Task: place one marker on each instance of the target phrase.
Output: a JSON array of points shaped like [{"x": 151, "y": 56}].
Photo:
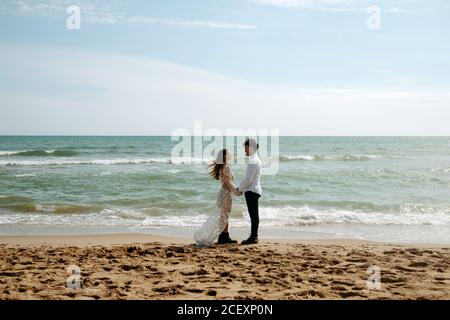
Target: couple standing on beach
[{"x": 216, "y": 226}]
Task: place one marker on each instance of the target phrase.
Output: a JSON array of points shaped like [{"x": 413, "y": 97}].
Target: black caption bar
[{"x": 199, "y": 309}]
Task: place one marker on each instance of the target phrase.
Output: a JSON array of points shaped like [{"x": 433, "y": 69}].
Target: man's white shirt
[{"x": 252, "y": 179}]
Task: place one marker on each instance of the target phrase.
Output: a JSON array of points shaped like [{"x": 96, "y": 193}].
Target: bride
[{"x": 216, "y": 226}]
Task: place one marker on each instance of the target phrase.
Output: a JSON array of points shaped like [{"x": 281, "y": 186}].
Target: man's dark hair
[{"x": 251, "y": 143}]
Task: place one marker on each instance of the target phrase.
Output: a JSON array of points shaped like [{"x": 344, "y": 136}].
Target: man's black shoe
[
  {"x": 224, "y": 238},
  {"x": 250, "y": 240}
]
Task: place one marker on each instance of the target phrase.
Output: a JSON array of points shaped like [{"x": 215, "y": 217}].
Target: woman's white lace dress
[{"x": 218, "y": 219}]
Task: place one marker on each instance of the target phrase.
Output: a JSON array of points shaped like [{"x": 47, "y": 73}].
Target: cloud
[
  {"x": 331, "y": 5},
  {"x": 312, "y": 4},
  {"x": 105, "y": 12},
  {"x": 187, "y": 23},
  {"x": 92, "y": 12},
  {"x": 63, "y": 91}
]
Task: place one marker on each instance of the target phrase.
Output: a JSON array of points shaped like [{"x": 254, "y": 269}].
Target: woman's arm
[{"x": 227, "y": 182}]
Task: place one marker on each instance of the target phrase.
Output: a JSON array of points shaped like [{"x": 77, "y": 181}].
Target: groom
[{"x": 251, "y": 187}]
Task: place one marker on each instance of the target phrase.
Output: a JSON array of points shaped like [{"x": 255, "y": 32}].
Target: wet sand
[{"x": 137, "y": 266}]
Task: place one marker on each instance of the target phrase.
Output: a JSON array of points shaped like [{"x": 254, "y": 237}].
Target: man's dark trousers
[{"x": 253, "y": 209}]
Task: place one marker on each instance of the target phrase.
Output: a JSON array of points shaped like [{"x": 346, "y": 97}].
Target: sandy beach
[{"x": 137, "y": 266}]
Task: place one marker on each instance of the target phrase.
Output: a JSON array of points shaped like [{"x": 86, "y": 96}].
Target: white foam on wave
[
  {"x": 66, "y": 162},
  {"x": 309, "y": 216},
  {"x": 45, "y": 208},
  {"x": 11, "y": 153},
  {"x": 439, "y": 170},
  {"x": 168, "y": 160},
  {"x": 269, "y": 217},
  {"x": 7, "y": 153},
  {"x": 319, "y": 157},
  {"x": 102, "y": 174},
  {"x": 47, "y": 216},
  {"x": 306, "y": 216}
]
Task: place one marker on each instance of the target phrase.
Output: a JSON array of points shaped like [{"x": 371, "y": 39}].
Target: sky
[{"x": 303, "y": 67}]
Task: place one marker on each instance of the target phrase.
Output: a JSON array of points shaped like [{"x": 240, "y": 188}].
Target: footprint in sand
[
  {"x": 194, "y": 290},
  {"x": 342, "y": 282},
  {"x": 393, "y": 279},
  {"x": 193, "y": 272},
  {"x": 418, "y": 264},
  {"x": 349, "y": 294},
  {"x": 357, "y": 260}
]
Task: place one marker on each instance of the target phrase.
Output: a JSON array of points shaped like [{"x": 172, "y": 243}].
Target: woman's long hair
[{"x": 216, "y": 166}]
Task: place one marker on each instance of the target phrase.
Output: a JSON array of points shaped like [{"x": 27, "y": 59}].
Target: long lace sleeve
[{"x": 227, "y": 181}]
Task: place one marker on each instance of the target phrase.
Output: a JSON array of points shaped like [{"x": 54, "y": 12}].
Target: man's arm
[{"x": 249, "y": 174}]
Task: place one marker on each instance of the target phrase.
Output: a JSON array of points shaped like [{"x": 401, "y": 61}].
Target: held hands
[{"x": 239, "y": 192}]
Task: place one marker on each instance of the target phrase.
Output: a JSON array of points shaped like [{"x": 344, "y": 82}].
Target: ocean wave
[
  {"x": 24, "y": 212},
  {"x": 65, "y": 162},
  {"x": 162, "y": 160},
  {"x": 29, "y": 207},
  {"x": 50, "y": 216},
  {"x": 347, "y": 157},
  {"x": 439, "y": 170},
  {"x": 25, "y": 175},
  {"x": 9, "y": 153},
  {"x": 304, "y": 216},
  {"x": 11, "y": 199},
  {"x": 39, "y": 153},
  {"x": 368, "y": 207}
]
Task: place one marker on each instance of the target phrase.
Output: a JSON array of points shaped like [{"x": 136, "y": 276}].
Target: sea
[{"x": 388, "y": 189}]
